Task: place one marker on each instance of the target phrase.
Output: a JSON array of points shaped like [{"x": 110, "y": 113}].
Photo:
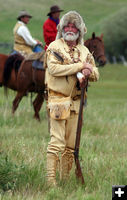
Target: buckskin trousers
[{"x": 63, "y": 134}]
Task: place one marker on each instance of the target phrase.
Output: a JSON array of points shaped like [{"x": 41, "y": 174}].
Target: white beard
[{"x": 70, "y": 36}]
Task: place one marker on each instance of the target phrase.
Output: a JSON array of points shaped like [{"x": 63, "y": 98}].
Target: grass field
[
  {"x": 23, "y": 143},
  {"x": 94, "y": 13}
]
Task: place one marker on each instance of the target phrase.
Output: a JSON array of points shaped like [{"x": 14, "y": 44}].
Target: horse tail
[
  {"x": 8, "y": 68},
  {"x": 5, "y": 91},
  {"x": 18, "y": 60},
  {"x": 31, "y": 98},
  {"x": 13, "y": 62}
]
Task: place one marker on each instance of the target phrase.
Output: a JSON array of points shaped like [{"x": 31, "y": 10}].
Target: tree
[{"x": 115, "y": 34}]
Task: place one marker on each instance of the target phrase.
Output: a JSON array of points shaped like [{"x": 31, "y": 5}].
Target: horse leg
[
  {"x": 16, "y": 101},
  {"x": 37, "y": 105}
]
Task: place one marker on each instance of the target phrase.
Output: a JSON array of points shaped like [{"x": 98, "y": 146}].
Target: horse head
[{"x": 96, "y": 46}]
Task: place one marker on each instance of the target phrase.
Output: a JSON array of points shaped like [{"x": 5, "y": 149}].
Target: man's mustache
[{"x": 69, "y": 33}]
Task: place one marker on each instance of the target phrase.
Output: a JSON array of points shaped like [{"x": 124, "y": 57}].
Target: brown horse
[
  {"x": 9, "y": 69},
  {"x": 32, "y": 80},
  {"x": 9, "y": 66},
  {"x": 96, "y": 46}
]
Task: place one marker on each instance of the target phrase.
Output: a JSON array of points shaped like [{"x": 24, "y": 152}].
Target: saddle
[{"x": 37, "y": 58}]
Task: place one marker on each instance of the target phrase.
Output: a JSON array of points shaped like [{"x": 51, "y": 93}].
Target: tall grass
[{"x": 23, "y": 143}]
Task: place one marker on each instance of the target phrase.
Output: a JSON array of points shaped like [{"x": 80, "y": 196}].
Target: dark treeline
[{"x": 115, "y": 36}]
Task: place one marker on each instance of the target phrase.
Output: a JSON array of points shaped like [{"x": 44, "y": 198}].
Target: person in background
[
  {"x": 23, "y": 41},
  {"x": 50, "y": 25},
  {"x": 65, "y": 58}
]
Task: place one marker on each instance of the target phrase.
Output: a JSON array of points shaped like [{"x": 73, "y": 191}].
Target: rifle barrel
[{"x": 78, "y": 170}]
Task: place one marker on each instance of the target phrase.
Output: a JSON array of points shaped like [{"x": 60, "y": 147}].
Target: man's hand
[
  {"x": 87, "y": 69},
  {"x": 81, "y": 79},
  {"x": 39, "y": 43},
  {"x": 84, "y": 75}
]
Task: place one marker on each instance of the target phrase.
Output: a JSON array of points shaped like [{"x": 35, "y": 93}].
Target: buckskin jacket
[
  {"x": 61, "y": 73},
  {"x": 19, "y": 42}
]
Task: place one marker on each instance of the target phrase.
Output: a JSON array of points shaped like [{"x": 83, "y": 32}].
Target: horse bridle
[{"x": 97, "y": 58}]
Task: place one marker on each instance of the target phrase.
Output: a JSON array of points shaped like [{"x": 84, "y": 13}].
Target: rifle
[{"x": 78, "y": 170}]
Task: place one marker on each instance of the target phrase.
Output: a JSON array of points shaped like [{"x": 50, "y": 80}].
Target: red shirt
[{"x": 49, "y": 31}]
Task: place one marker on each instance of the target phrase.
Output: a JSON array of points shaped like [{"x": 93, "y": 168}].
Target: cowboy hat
[
  {"x": 23, "y": 13},
  {"x": 54, "y": 9}
]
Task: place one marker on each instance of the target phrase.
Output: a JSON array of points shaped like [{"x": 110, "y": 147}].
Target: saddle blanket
[
  {"x": 36, "y": 56},
  {"x": 38, "y": 60},
  {"x": 36, "y": 64}
]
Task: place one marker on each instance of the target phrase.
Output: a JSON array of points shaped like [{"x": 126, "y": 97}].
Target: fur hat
[{"x": 75, "y": 18}]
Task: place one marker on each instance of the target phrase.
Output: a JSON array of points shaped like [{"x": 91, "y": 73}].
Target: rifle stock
[{"x": 78, "y": 170}]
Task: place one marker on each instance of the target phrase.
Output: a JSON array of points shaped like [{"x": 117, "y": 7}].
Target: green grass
[
  {"x": 23, "y": 143},
  {"x": 94, "y": 13}
]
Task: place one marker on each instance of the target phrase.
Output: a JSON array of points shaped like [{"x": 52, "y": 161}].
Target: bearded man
[{"x": 65, "y": 58}]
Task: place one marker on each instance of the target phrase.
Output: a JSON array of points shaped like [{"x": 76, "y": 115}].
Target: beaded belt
[{"x": 53, "y": 93}]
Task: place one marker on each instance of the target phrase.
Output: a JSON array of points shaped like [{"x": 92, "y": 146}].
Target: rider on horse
[{"x": 24, "y": 43}]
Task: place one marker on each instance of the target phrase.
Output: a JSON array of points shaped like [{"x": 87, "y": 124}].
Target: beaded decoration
[{"x": 72, "y": 51}]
